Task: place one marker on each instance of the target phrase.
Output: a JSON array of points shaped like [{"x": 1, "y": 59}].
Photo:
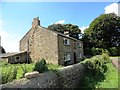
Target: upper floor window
[
  {"x": 74, "y": 44},
  {"x": 79, "y": 45},
  {"x": 66, "y": 41},
  {"x": 67, "y": 57}
]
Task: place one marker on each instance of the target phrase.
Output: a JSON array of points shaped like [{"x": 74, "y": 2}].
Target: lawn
[
  {"x": 107, "y": 80},
  {"x": 111, "y": 78}
]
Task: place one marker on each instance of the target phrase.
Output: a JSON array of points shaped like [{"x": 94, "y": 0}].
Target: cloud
[
  {"x": 8, "y": 41},
  {"x": 112, "y": 8},
  {"x": 83, "y": 28},
  {"x": 3, "y": 33},
  {"x": 60, "y": 22}
]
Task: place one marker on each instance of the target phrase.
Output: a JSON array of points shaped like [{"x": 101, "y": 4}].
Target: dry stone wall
[{"x": 67, "y": 77}]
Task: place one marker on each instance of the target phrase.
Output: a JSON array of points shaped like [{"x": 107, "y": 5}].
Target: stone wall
[
  {"x": 41, "y": 43},
  {"x": 67, "y": 77},
  {"x": 45, "y": 45}
]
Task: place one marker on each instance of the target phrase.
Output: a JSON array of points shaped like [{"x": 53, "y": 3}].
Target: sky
[{"x": 16, "y": 17}]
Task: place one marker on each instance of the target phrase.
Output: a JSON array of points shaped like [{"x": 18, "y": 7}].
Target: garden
[
  {"x": 12, "y": 72},
  {"x": 100, "y": 72}
]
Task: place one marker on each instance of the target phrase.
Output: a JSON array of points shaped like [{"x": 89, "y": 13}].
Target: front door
[{"x": 75, "y": 58}]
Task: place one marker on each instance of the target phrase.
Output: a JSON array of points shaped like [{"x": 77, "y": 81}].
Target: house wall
[
  {"x": 23, "y": 44},
  {"x": 62, "y": 49},
  {"x": 41, "y": 43}
]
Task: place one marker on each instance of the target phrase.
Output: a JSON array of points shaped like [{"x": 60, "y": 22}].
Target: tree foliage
[
  {"x": 73, "y": 29},
  {"x": 104, "y": 31},
  {"x": 2, "y": 49}
]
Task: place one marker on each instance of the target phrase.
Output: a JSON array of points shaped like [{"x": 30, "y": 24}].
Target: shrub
[
  {"x": 99, "y": 51},
  {"x": 9, "y": 76},
  {"x": 97, "y": 64},
  {"x": 40, "y": 66},
  {"x": 24, "y": 70},
  {"x": 114, "y": 51}
]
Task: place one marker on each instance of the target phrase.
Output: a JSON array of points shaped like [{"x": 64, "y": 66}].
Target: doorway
[{"x": 75, "y": 58}]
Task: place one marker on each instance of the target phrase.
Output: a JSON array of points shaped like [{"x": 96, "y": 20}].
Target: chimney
[
  {"x": 66, "y": 32},
  {"x": 35, "y": 22}
]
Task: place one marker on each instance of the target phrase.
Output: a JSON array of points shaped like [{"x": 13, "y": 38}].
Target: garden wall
[{"x": 67, "y": 77}]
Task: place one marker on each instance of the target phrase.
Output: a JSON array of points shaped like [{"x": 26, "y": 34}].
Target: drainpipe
[{"x": 27, "y": 50}]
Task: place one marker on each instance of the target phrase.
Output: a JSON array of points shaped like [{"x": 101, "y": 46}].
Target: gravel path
[{"x": 115, "y": 61}]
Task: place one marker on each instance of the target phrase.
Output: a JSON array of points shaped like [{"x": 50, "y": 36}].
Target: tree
[
  {"x": 104, "y": 31},
  {"x": 2, "y": 49},
  {"x": 74, "y": 30}
]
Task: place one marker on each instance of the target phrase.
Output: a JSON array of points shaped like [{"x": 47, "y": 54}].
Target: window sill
[{"x": 66, "y": 60}]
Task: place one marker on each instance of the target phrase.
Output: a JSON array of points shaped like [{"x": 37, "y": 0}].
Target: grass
[
  {"x": 22, "y": 68},
  {"x": 111, "y": 78}
]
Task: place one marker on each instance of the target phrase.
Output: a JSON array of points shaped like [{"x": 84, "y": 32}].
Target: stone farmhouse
[{"x": 56, "y": 48}]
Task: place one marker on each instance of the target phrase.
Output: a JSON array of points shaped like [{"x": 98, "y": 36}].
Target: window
[
  {"x": 17, "y": 58},
  {"x": 79, "y": 45},
  {"x": 67, "y": 57},
  {"x": 66, "y": 41},
  {"x": 74, "y": 44},
  {"x": 80, "y": 55}
]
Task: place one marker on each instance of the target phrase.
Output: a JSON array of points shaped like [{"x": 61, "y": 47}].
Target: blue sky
[{"x": 16, "y": 18}]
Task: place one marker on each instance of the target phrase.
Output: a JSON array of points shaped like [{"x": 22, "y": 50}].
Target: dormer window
[{"x": 66, "y": 41}]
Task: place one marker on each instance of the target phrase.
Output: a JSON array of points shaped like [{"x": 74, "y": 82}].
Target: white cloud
[
  {"x": 8, "y": 41},
  {"x": 83, "y": 28},
  {"x": 112, "y": 8},
  {"x": 60, "y": 22},
  {"x": 3, "y": 33}
]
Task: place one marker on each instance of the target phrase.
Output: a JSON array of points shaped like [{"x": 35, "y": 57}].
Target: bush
[
  {"x": 95, "y": 70},
  {"x": 97, "y": 64},
  {"x": 40, "y": 66},
  {"x": 24, "y": 70},
  {"x": 114, "y": 51},
  {"x": 99, "y": 51},
  {"x": 9, "y": 76}
]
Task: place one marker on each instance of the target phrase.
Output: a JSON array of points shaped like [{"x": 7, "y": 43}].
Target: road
[{"x": 115, "y": 61}]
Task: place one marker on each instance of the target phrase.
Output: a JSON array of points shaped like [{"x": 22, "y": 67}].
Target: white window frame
[
  {"x": 16, "y": 60},
  {"x": 80, "y": 55},
  {"x": 67, "y": 56},
  {"x": 68, "y": 41},
  {"x": 79, "y": 45}
]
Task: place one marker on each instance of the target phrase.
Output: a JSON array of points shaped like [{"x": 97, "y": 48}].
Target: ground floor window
[
  {"x": 67, "y": 57},
  {"x": 80, "y": 55},
  {"x": 17, "y": 58}
]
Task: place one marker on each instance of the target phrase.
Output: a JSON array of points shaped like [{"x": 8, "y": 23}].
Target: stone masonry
[
  {"x": 40, "y": 43},
  {"x": 66, "y": 77}
]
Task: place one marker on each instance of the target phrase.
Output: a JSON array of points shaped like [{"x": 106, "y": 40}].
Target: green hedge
[
  {"x": 96, "y": 69},
  {"x": 96, "y": 64},
  {"x": 99, "y": 51},
  {"x": 114, "y": 51}
]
